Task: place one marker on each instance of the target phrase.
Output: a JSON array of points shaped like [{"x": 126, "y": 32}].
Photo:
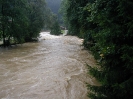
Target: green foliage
[
  {"x": 21, "y": 19},
  {"x": 12, "y": 19},
  {"x": 73, "y": 14},
  {"x": 112, "y": 36},
  {"x": 107, "y": 28},
  {"x": 54, "y": 5},
  {"x": 36, "y": 15},
  {"x": 55, "y": 28}
]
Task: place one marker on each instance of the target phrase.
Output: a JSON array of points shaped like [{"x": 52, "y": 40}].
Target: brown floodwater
[{"x": 53, "y": 68}]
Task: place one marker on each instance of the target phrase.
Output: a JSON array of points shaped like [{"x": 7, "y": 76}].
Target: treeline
[
  {"x": 54, "y": 5},
  {"x": 22, "y": 20},
  {"x": 107, "y": 29}
]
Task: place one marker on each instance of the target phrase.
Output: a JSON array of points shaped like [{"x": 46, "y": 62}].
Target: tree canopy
[
  {"x": 54, "y": 5},
  {"x": 22, "y": 20},
  {"x": 106, "y": 26},
  {"x": 55, "y": 28}
]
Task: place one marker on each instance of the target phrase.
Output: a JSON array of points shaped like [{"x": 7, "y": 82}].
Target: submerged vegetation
[{"x": 107, "y": 29}]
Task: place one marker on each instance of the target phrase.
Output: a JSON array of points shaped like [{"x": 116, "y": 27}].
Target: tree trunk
[{"x": 3, "y": 36}]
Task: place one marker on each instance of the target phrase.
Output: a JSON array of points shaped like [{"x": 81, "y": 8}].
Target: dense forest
[
  {"x": 107, "y": 29},
  {"x": 54, "y": 5},
  {"x": 22, "y": 20}
]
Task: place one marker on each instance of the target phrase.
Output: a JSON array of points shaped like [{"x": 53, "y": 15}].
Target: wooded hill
[{"x": 54, "y": 5}]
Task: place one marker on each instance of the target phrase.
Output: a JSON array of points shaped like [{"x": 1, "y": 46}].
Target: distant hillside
[{"x": 54, "y": 5}]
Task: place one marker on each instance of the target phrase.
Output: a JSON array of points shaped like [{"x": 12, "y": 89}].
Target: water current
[{"x": 53, "y": 68}]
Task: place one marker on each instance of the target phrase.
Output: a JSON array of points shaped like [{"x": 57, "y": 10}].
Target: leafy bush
[{"x": 55, "y": 27}]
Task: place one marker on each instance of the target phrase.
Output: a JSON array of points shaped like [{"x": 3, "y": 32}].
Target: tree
[
  {"x": 55, "y": 28},
  {"x": 12, "y": 19},
  {"x": 36, "y": 16},
  {"x": 21, "y": 20},
  {"x": 113, "y": 47},
  {"x": 74, "y": 15},
  {"x": 54, "y": 5}
]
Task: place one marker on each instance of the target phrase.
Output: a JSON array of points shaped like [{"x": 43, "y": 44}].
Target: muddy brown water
[{"x": 53, "y": 68}]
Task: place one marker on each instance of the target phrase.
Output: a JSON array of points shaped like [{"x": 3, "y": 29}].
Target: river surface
[{"x": 53, "y": 68}]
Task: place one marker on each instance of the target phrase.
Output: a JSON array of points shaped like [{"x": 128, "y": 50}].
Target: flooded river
[{"x": 53, "y": 68}]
